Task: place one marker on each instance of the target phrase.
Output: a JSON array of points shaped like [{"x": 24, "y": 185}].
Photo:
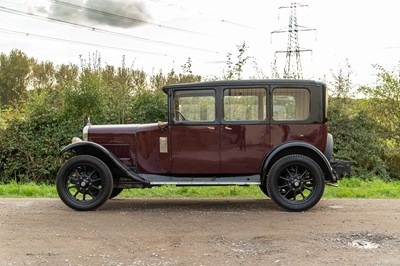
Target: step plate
[{"x": 158, "y": 180}]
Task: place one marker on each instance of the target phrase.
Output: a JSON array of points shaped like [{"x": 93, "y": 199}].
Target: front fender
[
  {"x": 300, "y": 148},
  {"x": 94, "y": 149}
]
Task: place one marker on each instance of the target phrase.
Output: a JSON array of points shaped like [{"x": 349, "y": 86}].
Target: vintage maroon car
[{"x": 271, "y": 133}]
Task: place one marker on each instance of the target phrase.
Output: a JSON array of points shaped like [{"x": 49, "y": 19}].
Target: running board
[{"x": 159, "y": 180}]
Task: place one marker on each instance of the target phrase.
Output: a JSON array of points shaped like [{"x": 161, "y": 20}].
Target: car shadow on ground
[{"x": 119, "y": 204}]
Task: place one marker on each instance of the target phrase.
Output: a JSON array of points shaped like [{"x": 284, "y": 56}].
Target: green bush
[
  {"x": 355, "y": 140},
  {"x": 32, "y": 140}
]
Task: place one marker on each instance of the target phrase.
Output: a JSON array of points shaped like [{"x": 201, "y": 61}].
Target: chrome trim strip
[
  {"x": 85, "y": 132},
  {"x": 158, "y": 180},
  {"x": 201, "y": 183}
]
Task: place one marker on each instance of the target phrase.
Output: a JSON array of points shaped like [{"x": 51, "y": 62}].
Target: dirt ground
[{"x": 199, "y": 232}]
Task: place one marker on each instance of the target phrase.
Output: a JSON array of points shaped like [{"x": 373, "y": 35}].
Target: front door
[{"x": 194, "y": 133}]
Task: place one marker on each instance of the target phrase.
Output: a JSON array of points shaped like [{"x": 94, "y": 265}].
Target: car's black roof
[{"x": 232, "y": 83}]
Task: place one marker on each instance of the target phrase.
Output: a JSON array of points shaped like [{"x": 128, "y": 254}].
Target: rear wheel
[
  {"x": 295, "y": 182},
  {"x": 84, "y": 183}
]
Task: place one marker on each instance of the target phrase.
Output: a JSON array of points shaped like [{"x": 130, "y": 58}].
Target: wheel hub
[
  {"x": 83, "y": 183},
  {"x": 296, "y": 183}
]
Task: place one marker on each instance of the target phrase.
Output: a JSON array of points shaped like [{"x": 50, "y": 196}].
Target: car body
[{"x": 271, "y": 133}]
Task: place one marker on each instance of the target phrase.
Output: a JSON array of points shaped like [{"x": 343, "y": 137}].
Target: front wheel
[
  {"x": 295, "y": 182},
  {"x": 84, "y": 183}
]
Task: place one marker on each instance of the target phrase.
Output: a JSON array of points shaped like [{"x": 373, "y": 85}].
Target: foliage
[
  {"x": 353, "y": 129},
  {"x": 31, "y": 142},
  {"x": 384, "y": 105},
  {"x": 149, "y": 106},
  {"x": 235, "y": 68},
  {"x": 43, "y": 106},
  {"x": 15, "y": 69}
]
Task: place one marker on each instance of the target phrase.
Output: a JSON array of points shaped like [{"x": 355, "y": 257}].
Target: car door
[
  {"x": 194, "y": 132},
  {"x": 245, "y": 132}
]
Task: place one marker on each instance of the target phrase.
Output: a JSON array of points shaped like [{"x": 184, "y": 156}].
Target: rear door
[{"x": 245, "y": 132}]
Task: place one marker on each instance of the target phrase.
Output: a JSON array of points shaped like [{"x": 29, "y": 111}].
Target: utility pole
[{"x": 293, "y": 68}]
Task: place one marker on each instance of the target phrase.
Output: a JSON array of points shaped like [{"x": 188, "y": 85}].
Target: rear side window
[
  {"x": 291, "y": 104},
  {"x": 247, "y": 104},
  {"x": 194, "y": 106}
]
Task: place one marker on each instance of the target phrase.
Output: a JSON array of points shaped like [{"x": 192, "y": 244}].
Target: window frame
[
  {"x": 246, "y": 122},
  {"x": 171, "y": 107},
  {"x": 310, "y": 117}
]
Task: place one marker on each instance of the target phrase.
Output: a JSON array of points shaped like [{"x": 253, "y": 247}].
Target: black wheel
[
  {"x": 329, "y": 147},
  {"x": 115, "y": 192},
  {"x": 84, "y": 183},
  {"x": 295, "y": 182}
]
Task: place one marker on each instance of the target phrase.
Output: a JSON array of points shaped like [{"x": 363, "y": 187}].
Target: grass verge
[{"x": 348, "y": 188}]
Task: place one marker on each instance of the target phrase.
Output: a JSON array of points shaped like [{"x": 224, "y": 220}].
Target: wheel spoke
[
  {"x": 287, "y": 170},
  {"x": 91, "y": 186},
  {"x": 76, "y": 194},
  {"x": 90, "y": 175},
  {"x": 287, "y": 193},
  {"x": 70, "y": 187},
  {"x": 96, "y": 180},
  {"x": 76, "y": 170},
  {"x": 308, "y": 179},
  {"x": 301, "y": 193},
  {"x": 310, "y": 186},
  {"x": 286, "y": 185},
  {"x": 90, "y": 193},
  {"x": 303, "y": 174}
]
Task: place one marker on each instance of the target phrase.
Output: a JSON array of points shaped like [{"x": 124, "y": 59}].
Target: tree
[
  {"x": 235, "y": 68},
  {"x": 353, "y": 129},
  {"x": 15, "y": 69},
  {"x": 384, "y": 105},
  {"x": 43, "y": 76}
]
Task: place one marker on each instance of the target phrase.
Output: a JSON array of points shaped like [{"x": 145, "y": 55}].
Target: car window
[
  {"x": 194, "y": 106},
  {"x": 248, "y": 104},
  {"x": 291, "y": 104}
]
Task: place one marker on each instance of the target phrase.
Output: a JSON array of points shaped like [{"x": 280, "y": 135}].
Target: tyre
[
  {"x": 115, "y": 192},
  {"x": 329, "y": 147},
  {"x": 84, "y": 183},
  {"x": 295, "y": 182}
]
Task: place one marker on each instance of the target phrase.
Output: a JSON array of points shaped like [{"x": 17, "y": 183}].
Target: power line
[
  {"x": 203, "y": 14},
  {"x": 27, "y": 34},
  {"x": 78, "y": 42},
  {"x": 55, "y": 20},
  {"x": 116, "y": 16}
]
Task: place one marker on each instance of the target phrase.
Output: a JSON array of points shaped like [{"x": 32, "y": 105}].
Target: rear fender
[
  {"x": 94, "y": 149},
  {"x": 298, "y": 147}
]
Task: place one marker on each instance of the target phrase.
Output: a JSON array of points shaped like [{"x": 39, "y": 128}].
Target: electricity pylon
[{"x": 293, "y": 68}]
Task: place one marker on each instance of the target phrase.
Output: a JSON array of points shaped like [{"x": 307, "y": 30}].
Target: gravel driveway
[{"x": 199, "y": 232}]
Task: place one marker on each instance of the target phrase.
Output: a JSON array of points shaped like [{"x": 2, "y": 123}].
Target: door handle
[
  {"x": 228, "y": 128},
  {"x": 211, "y": 128}
]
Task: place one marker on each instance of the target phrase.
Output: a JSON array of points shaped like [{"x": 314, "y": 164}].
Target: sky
[{"x": 156, "y": 35}]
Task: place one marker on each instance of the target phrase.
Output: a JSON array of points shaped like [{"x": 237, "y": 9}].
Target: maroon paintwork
[{"x": 216, "y": 149}]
